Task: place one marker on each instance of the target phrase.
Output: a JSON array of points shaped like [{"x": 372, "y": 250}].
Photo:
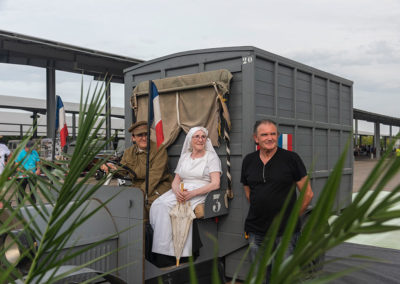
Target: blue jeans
[{"x": 256, "y": 240}]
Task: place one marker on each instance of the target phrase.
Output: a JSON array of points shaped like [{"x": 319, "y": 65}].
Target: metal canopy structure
[
  {"x": 27, "y": 50},
  {"x": 17, "y": 121},
  {"x": 39, "y": 106},
  {"x": 377, "y": 119}
]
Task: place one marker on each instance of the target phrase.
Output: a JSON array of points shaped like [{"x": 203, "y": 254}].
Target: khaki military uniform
[{"x": 160, "y": 179}]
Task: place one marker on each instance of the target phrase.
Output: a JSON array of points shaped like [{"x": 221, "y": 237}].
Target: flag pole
[
  {"x": 53, "y": 150},
  {"x": 149, "y": 122}
]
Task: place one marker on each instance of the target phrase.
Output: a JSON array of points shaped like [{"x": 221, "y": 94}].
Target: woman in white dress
[{"x": 199, "y": 168}]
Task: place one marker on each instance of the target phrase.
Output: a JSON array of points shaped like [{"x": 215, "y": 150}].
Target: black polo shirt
[{"x": 270, "y": 185}]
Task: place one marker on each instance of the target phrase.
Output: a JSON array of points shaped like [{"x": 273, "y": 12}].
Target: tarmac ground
[{"x": 362, "y": 169}]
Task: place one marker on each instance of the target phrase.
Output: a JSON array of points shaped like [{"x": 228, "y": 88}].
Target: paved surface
[
  {"x": 382, "y": 240},
  {"x": 363, "y": 168},
  {"x": 382, "y": 250}
]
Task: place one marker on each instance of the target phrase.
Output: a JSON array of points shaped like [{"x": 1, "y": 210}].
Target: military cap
[{"x": 138, "y": 127}]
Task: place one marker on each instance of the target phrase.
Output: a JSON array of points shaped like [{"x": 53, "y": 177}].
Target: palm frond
[{"x": 65, "y": 191}]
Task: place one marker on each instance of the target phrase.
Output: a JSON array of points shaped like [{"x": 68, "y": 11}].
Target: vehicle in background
[
  {"x": 44, "y": 146},
  {"x": 13, "y": 144}
]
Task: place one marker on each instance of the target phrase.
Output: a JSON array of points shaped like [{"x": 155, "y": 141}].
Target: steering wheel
[
  {"x": 132, "y": 175},
  {"x": 125, "y": 173}
]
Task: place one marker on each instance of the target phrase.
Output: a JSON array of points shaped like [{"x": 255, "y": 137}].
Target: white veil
[{"x": 188, "y": 141}]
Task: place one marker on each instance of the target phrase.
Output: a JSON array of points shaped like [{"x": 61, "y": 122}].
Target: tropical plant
[{"x": 41, "y": 248}]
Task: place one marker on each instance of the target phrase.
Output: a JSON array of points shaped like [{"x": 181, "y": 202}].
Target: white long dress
[{"x": 194, "y": 173}]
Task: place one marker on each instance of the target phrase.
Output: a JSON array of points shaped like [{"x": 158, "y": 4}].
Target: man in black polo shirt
[{"x": 268, "y": 175}]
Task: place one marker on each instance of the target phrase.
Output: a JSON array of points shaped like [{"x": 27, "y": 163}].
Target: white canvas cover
[{"x": 187, "y": 101}]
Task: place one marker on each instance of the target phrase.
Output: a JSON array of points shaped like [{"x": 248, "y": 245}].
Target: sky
[{"x": 355, "y": 39}]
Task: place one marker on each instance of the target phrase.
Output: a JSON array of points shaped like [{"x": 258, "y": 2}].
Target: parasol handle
[{"x": 182, "y": 187}]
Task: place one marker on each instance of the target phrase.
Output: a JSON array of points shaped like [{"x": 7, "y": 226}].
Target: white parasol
[{"x": 182, "y": 217}]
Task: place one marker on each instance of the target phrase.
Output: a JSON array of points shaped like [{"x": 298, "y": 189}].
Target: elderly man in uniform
[{"x": 135, "y": 158}]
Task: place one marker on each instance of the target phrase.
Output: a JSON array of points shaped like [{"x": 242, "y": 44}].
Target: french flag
[
  {"x": 155, "y": 114},
  {"x": 285, "y": 141},
  {"x": 61, "y": 123}
]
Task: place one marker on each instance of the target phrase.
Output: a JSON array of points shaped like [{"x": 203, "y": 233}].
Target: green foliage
[
  {"x": 367, "y": 140},
  {"x": 192, "y": 271},
  {"x": 65, "y": 190}
]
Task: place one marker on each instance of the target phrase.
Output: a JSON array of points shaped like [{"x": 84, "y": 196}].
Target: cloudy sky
[{"x": 355, "y": 39}]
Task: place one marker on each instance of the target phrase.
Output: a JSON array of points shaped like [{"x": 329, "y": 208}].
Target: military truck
[
  {"x": 225, "y": 90},
  {"x": 311, "y": 107}
]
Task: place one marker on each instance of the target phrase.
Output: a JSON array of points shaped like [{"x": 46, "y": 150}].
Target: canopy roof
[
  {"x": 375, "y": 117},
  {"x": 39, "y": 106},
  {"x": 27, "y": 50}
]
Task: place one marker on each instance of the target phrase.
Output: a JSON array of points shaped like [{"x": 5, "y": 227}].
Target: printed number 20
[{"x": 247, "y": 59}]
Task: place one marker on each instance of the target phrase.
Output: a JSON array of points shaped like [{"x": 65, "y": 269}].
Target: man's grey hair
[{"x": 263, "y": 121}]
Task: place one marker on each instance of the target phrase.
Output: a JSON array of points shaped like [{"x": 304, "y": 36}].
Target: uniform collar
[{"x": 138, "y": 151}]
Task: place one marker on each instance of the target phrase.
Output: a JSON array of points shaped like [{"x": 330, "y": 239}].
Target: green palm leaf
[{"x": 66, "y": 191}]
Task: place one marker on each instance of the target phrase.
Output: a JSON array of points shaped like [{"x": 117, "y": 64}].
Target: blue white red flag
[
  {"x": 155, "y": 114},
  {"x": 285, "y": 141},
  {"x": 61, "y": 123}
]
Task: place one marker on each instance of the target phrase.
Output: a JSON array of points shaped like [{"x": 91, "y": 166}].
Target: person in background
[
  {"x": 28, "y": 160},
  {"x": 268, "y": 175},
  {"x": 4, "y": 153}
]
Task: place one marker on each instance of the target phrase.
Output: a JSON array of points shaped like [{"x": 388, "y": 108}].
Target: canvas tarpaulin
[{"x": 187, "y": 101}]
